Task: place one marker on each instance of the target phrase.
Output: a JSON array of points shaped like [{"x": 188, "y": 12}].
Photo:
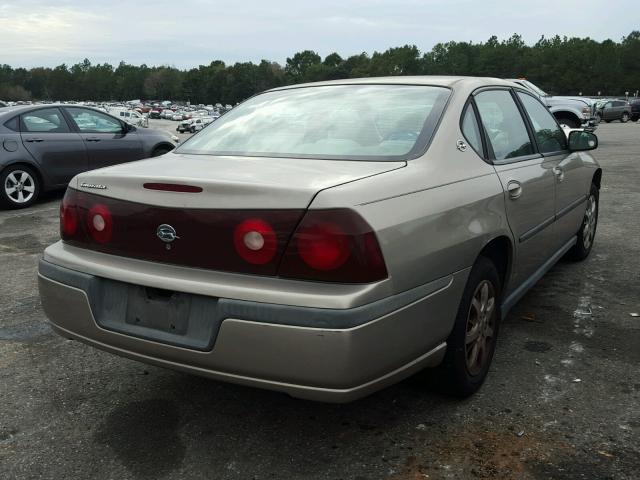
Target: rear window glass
[
  {"x": 48, "y": 120},
  {"x": 353, "y": 122}
]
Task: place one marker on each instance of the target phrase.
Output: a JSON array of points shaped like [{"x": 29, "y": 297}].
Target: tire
[
  {"x": 458, "y": 373},
  {"x": 193, "y": 130},
  {"x": 160, "y": 151},
  {"x": 569, "y": 122},
  {"x": 625, "y": 117},
  {"x": 607, "y": 121},
  {"x": 634, "y": 119},
  {"x": 587, "y": 232},
  {"x": 19, "y": 186}
]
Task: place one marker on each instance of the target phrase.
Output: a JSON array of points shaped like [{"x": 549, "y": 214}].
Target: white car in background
[
  {"x": 199, "y": 123},
  {"x": 167, "y": 114},
  {"x": 132, "y": 117},
  {"x": 184, "y": 126}
]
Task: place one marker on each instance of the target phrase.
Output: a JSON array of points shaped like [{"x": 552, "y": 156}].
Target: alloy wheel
[
  {"x": 481, "y": 326},
  {"x": 19, "y": 186}
]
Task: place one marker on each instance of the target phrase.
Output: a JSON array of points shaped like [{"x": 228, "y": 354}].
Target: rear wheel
[
  {"x": 587, "y": 232},
  {"x": 472, "y": 342},
  {"x": 625, "y": 117},
  {"x": 20, "y": 186}
]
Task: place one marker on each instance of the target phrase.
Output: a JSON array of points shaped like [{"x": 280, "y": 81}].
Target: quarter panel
[{"x": 435, "y": 232}]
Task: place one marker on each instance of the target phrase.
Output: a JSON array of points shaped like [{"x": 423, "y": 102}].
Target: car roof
[
  {"x": 430, "y": 80},
  {"x": 19, "y": 109}
]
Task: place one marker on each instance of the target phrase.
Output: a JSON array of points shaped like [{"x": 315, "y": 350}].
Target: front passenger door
[
  {"x": 527, "y": 180},
  {"x": 107, "y": 139},
  {"x": 571, "y": 178}
]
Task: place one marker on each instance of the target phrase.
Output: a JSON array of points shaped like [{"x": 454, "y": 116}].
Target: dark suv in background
[
  {"x": 42, "y": 147},
  {"x": 614, "y": 110}
]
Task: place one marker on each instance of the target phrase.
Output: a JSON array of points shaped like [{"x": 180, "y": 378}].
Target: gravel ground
[{"x": 562, "y": 400}]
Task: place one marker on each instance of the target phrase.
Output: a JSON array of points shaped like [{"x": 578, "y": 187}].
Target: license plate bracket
[{"x": 158, "y": 309}]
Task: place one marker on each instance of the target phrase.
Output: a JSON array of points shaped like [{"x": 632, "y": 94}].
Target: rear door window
[
  {"x": 504, "y": 125},
  {"x": 549, "y": 135},
  {"x": 46, "y": 120}
]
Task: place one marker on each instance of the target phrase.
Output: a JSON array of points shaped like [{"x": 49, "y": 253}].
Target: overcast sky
[{"x": 193, "y": 32}]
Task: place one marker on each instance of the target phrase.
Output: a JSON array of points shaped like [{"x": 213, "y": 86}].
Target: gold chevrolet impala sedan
[{"x": 327, "y": 240}]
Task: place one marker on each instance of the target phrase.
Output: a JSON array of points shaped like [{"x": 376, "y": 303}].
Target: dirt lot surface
[{"x": 562, "y": 400}]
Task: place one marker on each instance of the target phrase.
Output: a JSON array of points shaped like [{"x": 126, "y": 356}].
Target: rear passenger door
[
  {"x": 59, "y": 151},
  {"x": 527, "y": 179},
  {"x": 107, "y": 139}
]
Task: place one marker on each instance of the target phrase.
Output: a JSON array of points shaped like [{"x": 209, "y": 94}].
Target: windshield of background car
[{"x": 346, "y": 122}]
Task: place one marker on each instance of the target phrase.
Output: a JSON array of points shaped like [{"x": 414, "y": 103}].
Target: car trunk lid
[{"x": 229, "y": 182}]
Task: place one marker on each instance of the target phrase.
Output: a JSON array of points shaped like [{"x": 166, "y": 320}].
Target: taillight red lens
[
  {"x": 68, "y": 219},
  {"x": 255, "y": 241},
  {"x": 323, "y": 246},
  {"x": 100, "y": 223},
  {"x": 335, "y": 245}
]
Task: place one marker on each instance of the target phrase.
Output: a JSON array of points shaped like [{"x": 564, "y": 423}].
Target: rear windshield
[{"x": 346, "y": 122}]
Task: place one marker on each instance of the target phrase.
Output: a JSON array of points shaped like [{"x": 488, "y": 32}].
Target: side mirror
[{"x": 580, "y": 141}]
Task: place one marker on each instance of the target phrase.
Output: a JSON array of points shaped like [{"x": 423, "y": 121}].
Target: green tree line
[{"x": 560, "y": 65}]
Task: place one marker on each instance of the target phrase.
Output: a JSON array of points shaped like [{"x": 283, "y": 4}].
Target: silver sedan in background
[{"x": 327, "y": 240}]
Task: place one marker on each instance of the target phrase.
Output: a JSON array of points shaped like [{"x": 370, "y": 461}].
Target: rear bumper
[{"x": 334, "y": 355}]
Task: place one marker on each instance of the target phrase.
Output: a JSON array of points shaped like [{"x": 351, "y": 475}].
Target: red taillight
[
  {"x": 255, "y": 241},
  {"x": 99, "y": 223},
  {"x": 323, "y": 246},
  {"x": 334, "y": 246},
  {"x": 68, "y": 218}
]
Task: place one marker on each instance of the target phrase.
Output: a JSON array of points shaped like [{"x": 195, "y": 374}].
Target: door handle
[
  {"x": 92, "y": 139},
  {"x": 515, "y": 189},
  {"x": 31, "y": 140},
  {"x": 559, "y": 173}
]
